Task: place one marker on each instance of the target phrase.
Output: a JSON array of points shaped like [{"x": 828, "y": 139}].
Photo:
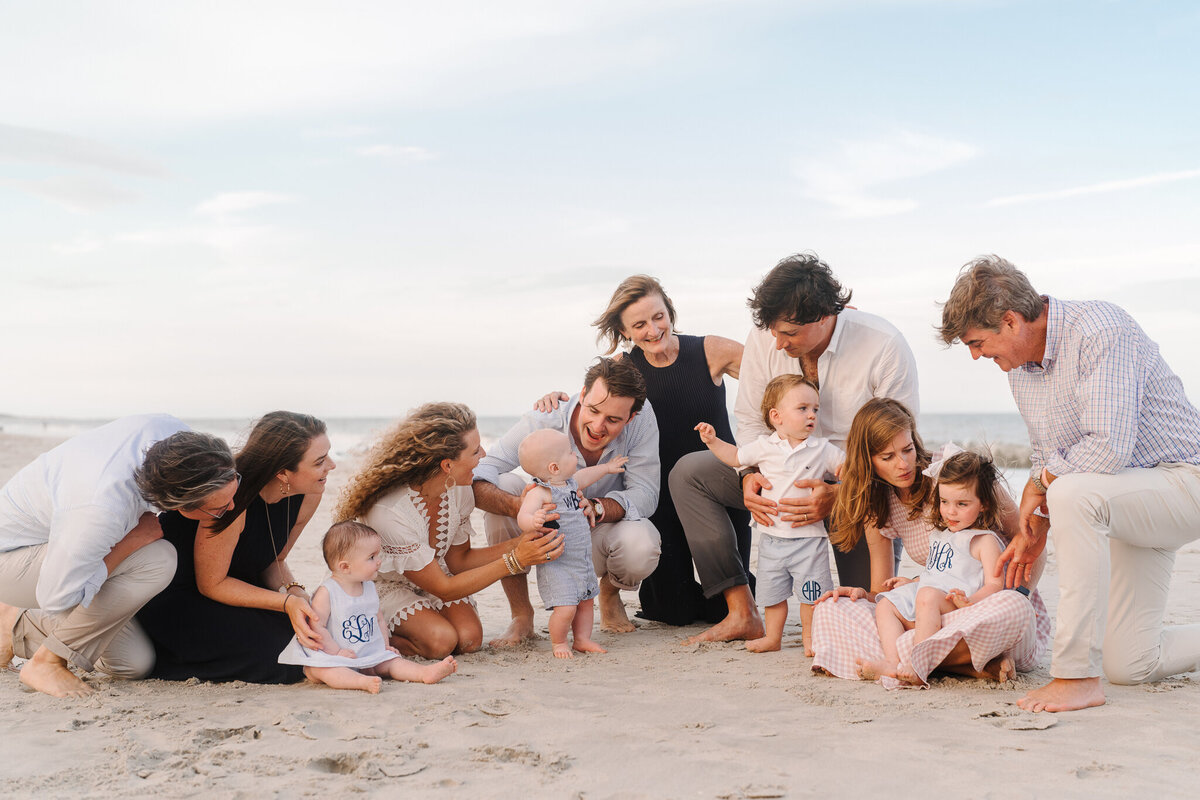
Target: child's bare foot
[
  {"x": 48, "y": 673},
  {"x": 519, "y": 630},
  {"x": 873, "y": 670},
  {"x": 587, "y": 646},
  {"x": 8, "y": 618},
  {"x": 1001, "y": 668},
  {"x": 808, "y": 650},
  {"x": 371, "y": 683},
  {"x": 435, "y": 672},
  {"x": 562, "y": 650},
  {"x": 906, "y": 674},
  {"x": 613, "y": 617},
  {"x": 764, "y": 644}
]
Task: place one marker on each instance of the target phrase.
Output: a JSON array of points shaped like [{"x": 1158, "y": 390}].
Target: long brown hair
[
  {"x": 408, "y": 454},
  {"x": 863, "y": 497},
  {"x": 277, "y": 441}
]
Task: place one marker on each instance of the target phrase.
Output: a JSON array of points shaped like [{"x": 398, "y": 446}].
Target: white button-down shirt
[
  {"x": 80, "y": 499},
  {"x": 1102, "y": 399},
  {"x": 867, "y": 357}
]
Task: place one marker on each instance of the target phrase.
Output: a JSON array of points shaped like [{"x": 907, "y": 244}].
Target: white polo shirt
[{"x": 783, "y": 465}]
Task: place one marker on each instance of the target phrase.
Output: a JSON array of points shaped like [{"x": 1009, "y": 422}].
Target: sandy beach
[{"x": 649, "y": 719}]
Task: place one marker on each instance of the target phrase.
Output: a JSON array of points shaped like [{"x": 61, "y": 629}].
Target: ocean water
[{"x": 1005, "y": 434}]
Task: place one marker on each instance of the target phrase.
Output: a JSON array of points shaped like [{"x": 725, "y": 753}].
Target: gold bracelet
[
  {"x": 510, "y": 563},
  {"x": 287, "y": 587},
  {"x": 520, "y": 567}
]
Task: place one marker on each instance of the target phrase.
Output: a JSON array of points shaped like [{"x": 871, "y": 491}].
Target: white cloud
[
  {"x": 230, "y": 203},
  {"x": 73, "y": 192},
  {"x": 346, "y": 131},
  {"x": 393, "y": 152},
  {"x": 1098, "y": 188},
  {"x": 147, "y": 63},
  {"x": 49, "y": 147},
  {"x": 846, "y": 178}
]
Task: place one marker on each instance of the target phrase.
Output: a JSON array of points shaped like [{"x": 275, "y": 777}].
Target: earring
[{"x": 285, "y": 487}]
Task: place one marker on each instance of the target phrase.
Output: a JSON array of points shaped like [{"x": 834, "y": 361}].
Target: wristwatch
[
  {"x": 1035, "y": 478},
  {"x": 598, "y": 509}
]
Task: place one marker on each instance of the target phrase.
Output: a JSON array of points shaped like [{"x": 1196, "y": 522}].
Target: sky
[{"x": 220, "y": 208}]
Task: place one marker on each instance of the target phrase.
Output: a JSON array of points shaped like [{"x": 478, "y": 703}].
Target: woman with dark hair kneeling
[{"x": 234, "y": 603}]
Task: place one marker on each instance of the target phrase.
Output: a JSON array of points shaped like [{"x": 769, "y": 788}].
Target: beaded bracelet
[{"x": 287, "y": 587}]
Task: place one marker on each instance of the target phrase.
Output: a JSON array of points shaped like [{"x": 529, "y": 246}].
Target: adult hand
[
  {"x": 537, "y": 547},
  {"x": 759, "y": 507},
  {"x": 853, "y": 592},
  {"x": 1016, "y": 563},
  {"x": 304, "y": 621},
  {"x": 807, "y": 510},
  {"x": 549, "y": 402}
]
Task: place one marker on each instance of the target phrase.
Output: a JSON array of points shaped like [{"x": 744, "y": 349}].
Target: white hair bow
[{"x": 935, "y": 466}]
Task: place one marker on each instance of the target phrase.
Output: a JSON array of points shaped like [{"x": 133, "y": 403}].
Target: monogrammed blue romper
[{"x": 571, "y": 578}]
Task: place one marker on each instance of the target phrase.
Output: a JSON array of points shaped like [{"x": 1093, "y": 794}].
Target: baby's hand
[
  {"x": 617, "y": 464},
  {"x": 707, "y": 432},
  {"x": 344, "y": 653},
  {"x": 892, "y": 583},
  {"x": 391, "y": 649},
  {"x": 958, "y": 598},
  {"x": 539, "y": 518}
]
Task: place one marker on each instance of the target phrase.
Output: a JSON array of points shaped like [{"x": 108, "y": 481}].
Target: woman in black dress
[
  {"x": 234, "y": 603},
  {"x": 685, "y": 385}
]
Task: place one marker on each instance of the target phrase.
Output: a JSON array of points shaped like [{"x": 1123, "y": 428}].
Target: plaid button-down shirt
[{"x": 1103, "y": 399}]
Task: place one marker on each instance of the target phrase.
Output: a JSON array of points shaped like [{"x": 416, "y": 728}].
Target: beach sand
[{"x": 650, "y": 719}]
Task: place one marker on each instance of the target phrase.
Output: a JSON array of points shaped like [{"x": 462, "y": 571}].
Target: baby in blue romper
[{"x": 568, "y": 584}]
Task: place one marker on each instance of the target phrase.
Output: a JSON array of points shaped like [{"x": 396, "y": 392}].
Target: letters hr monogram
[
  {"x": 941, "y": 556},
  {"x": 359, "y": 628}
]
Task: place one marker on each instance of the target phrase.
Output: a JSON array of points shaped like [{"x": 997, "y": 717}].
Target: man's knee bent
[{"x": 1074, "y": 494}]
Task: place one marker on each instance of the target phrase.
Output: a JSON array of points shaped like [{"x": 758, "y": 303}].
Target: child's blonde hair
[
  {"x": 340, "y": 540},
  {"x": 978, "y": 472},
  {"x": 777, "y": 388}
]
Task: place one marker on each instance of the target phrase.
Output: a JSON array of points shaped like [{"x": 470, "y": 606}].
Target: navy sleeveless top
[{"x": 683, "y": 395}]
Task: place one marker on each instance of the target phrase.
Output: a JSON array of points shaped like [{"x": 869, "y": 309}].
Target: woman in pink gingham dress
[{"x": 885, "y": 496}]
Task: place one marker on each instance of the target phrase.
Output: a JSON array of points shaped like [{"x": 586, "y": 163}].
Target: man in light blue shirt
[
  {"x": 1116, "y": 475},
  {"x": 607, "y": 419}
]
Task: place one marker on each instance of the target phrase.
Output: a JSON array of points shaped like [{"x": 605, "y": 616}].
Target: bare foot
[
  {"x": 1001, "y": 669},
  {"x": 435, "y": 672},
  {"x": 48, "y": 673},
  {"x": 1064, "y": 694},
  {"x": 874, "y": 670},
  {"x": 519, "y": 630},
  {"x": 8, "y": 618},
  {"x": 808, "y": 651},
  {"x": 562, "y": 650},
  {"x": 612, "y": 611},
  {"x": 371, "y": 683},
  {"x": 748, "y": 626},
  {"x": 764, "y": 644},
  {"x": 587, "y": 646},
  {"x": 906, "y": 674}
]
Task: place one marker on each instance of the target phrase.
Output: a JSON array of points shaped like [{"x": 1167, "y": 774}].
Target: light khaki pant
[
  {"x": 103, "y": 636},
  {"x": 624, "y": 552},
  {"x": 1115, "y": 538}
]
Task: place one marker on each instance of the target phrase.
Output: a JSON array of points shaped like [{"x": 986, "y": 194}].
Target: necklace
[{"x": 270, "y": 531}]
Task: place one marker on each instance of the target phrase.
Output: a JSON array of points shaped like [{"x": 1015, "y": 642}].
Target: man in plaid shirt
[{"x": 1116, "y": 473}]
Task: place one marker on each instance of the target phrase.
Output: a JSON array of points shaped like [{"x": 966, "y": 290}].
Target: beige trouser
[
  {"x": 104, "y": 636},
  {"x": 1135, "y": 519},
  {"x": 624, "y": 552}
]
